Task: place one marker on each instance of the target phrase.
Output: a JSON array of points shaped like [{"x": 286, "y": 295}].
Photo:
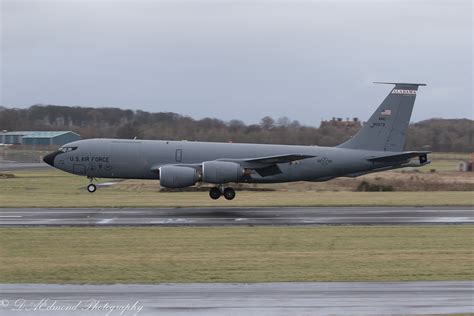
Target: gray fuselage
[
  {"x": 140, "y": 159},
  {"x": 378, "y": 146}
]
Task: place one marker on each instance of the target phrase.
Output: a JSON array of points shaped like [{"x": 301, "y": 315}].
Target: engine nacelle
[
  {"x": 178, "y": 176},
  {"x": 221, "y": 172}
]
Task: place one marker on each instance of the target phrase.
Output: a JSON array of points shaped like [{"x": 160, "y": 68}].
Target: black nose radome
[{"x": 49, "y": 158}]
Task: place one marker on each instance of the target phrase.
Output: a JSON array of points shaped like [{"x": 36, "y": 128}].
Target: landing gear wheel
[
  {"x": 91, "y": 188},
  {"x": 215, "y": 193},
  {"x": 229, "y": 193}
]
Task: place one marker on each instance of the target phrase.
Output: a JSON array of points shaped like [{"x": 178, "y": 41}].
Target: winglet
[{"x": 401, "y": 83}]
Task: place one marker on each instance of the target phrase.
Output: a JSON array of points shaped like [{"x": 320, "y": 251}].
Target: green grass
[
  {"x": 440, "y": 165},
  {"x": 450, "y": 156},
  {"x": 53, "y": 188},
  {"x": 236, "y": 254},
  {"x": 444, "y": 161}
]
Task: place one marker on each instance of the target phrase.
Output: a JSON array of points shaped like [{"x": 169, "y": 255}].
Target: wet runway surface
[
  {"x": 315, "y": 298},
  {"x": 235, "y": 216}
]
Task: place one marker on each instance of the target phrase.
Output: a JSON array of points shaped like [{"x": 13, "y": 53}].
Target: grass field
[
  {"x": 54, "y": 188},
  {"x": 235, "y": 254}
]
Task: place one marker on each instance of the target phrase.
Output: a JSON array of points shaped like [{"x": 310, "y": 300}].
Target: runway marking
[
  {"x": 234, "y": 216},
  {"x": 230, "y": 209},
  {"x": 317, "y": 219},
  {"x": 172, "y": 221},
  {"x": 105, "y": 221},
  {"x": 452, "y": 219}
]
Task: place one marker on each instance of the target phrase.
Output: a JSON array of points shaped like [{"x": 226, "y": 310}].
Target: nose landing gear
[
  {"x": 91, "y": 188},
  {"x": 216, "y": 192}
]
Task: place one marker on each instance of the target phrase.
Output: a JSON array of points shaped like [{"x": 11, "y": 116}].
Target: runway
[
  {"x": 315, "y": 298},
  {"x": 235, "y": 216},
  {"x": 12, "y": 165}
]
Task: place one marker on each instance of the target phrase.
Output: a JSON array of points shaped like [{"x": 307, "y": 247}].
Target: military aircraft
[{"x": 378, "y": 146}]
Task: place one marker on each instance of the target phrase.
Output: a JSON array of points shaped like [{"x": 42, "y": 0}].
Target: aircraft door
[{"x": 179, "y": 155}]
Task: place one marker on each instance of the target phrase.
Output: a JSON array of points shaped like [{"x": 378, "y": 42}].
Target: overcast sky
[{"x": 308, "y": 60}]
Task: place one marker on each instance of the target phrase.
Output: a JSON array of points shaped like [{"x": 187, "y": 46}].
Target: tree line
[{"x": 454, "y": 135}]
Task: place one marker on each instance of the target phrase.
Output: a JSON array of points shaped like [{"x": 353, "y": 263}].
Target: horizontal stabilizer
[
  {"x": 401, "y": 83},
  {"x": 400, "y": 157}
]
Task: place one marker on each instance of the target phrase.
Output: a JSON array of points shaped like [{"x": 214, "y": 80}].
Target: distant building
[
  {"x": 12, "y": 138},
  {"x": 38, "y": 137},
  {"x": 339, "y": 122},
  {"x": 465, "y": 166}
]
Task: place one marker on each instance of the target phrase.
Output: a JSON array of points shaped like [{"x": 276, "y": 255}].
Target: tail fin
[{"x": 385, "y": 130}]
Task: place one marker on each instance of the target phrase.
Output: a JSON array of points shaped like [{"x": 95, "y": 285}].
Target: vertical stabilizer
[{"x": 386, "y": 128}]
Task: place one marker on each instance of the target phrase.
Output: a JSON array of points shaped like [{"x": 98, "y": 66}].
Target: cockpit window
[{"x": 66, "y": 149}]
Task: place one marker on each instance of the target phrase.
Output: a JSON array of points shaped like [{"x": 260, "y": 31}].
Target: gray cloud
[{"x": 238, "y": 59}]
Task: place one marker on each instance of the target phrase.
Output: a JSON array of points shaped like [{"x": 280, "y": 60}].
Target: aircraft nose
[{"x": 49, "y": 158}]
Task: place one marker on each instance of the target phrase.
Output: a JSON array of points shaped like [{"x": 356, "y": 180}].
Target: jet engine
[
  {"x": 221, "y": 172},
  {"x": 178, "y": 176}
]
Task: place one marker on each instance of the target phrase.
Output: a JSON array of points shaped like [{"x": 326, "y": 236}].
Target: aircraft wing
[
  {"x": 265, "y": 166},
  {"x": 401, "y": 156},
  {"x": 268, "y": 166},
  {"x": 270, "y": 160}
]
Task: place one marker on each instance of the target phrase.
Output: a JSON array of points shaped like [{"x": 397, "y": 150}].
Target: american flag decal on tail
[{"x": 386, "y": 112}]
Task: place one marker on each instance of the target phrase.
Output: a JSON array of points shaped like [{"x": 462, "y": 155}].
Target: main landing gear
[
  {"x": 91, "y": 188},
  {"x": 216, "y": 192}
]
